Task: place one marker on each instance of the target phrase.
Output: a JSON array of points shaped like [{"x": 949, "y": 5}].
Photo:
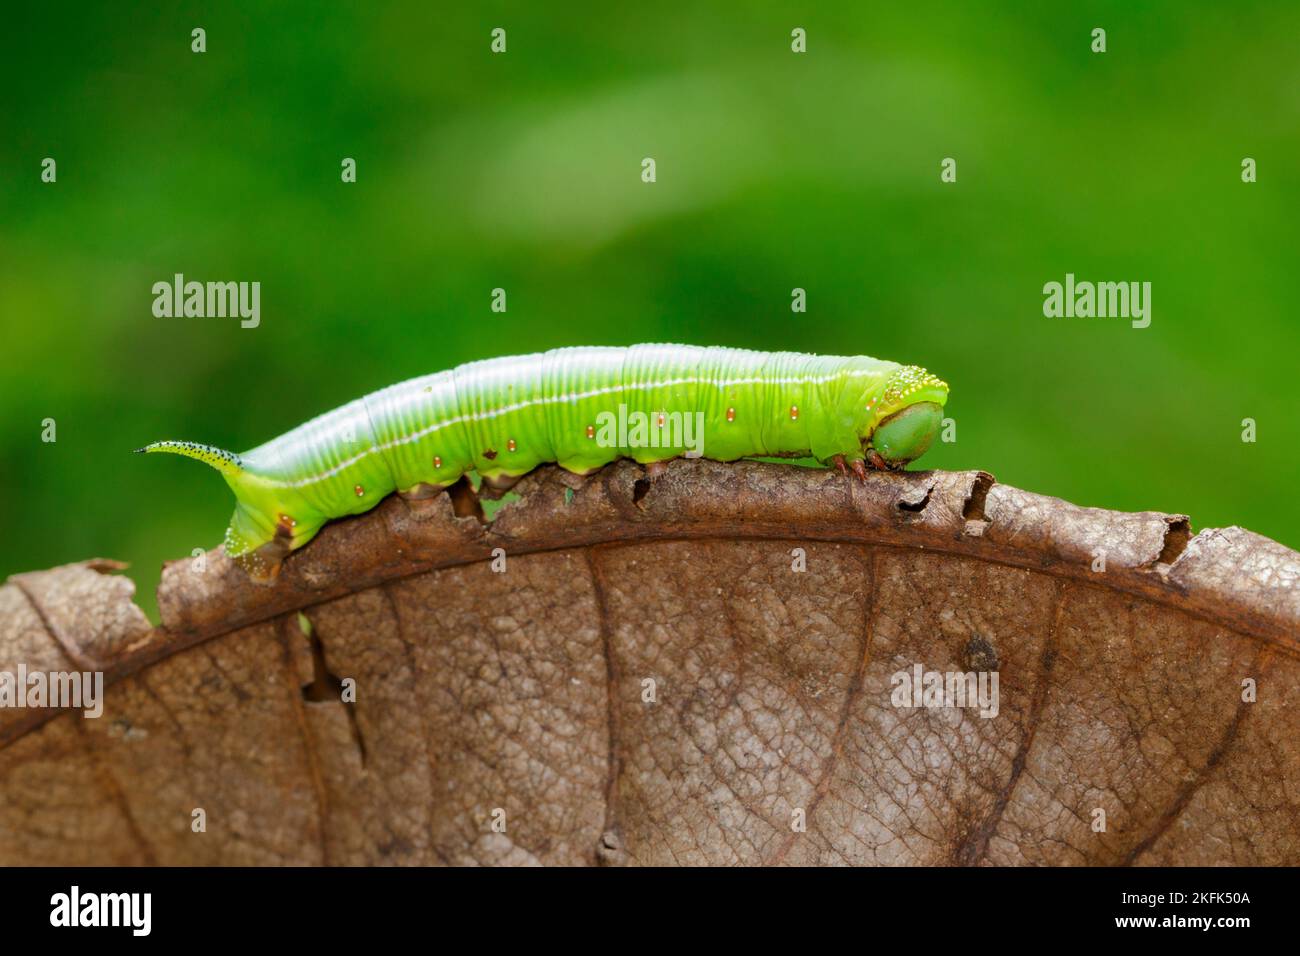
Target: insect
[{"x": 579, "y": 407}]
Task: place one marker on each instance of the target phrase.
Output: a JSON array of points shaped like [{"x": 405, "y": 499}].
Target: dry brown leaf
[{"x": 520, "y": 696}]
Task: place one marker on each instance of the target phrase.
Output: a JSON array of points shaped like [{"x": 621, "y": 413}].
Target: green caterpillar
[{"x": 579, "y": 407}]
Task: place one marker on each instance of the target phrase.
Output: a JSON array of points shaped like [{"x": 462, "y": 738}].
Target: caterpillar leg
[
  {"x": 259, "y": 544},
  {"x": 263, "y": 564},
  {"x": 856, "y": 465},
  {"x": 877, "y": 461},
  {"x": 464, "y": 500},
  {"x": 422, "y": 491},
  {"x": 654, "y": 470},
  {"x": 494, "y": 486},
  {"x": 579, "y": 467}
]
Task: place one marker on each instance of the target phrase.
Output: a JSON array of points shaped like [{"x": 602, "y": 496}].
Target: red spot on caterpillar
[
  {"x": 591, "y": 431},
  {"x": 437, "y": 461},
  {"x": 661, "y": 419},
  {"x": 731, "y": 414},
  {"x": 359, "y": 490},
  {"x": 794, "y": 412},
  {"x": 510, "y": 445}
]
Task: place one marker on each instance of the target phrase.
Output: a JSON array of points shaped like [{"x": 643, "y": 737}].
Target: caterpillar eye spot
[{"x": 490, "y": 454}]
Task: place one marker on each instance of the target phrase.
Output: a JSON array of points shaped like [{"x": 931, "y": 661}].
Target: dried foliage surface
[{"x": 643, "y": 674}]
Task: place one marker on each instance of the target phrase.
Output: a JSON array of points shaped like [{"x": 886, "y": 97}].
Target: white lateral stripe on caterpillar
[
  {"x": 551, "y": 399},
  {"x": 853, "y": 411}
]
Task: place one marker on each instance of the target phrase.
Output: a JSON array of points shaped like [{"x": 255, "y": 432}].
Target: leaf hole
[
  {"x": 464, "y": 500},
  {"x": 326, "y": 687},
  {"x": 914, "y": 505},
  {"x": 492, "y": 506},
  {"x": 973, "y": 508},
  {"x": 1177, "y": 534},
  {"x": 640, "y": 488}
]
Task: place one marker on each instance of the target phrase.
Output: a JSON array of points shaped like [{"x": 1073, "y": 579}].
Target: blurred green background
[{"x": 522, "y": 171}]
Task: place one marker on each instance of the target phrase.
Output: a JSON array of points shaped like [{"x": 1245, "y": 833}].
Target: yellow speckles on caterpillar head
[{"x": 910, "y": 383}]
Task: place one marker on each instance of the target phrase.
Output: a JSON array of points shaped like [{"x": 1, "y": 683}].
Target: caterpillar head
[{"x": 905, "y": 418}]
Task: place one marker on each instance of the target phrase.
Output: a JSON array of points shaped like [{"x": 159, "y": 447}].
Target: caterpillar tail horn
[
  {"x": 261, "y": 532},
  {"x": 226, "y": 462}
]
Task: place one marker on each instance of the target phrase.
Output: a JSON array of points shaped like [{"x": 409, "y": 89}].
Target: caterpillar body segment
[{"x": 579, "y": 407}]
